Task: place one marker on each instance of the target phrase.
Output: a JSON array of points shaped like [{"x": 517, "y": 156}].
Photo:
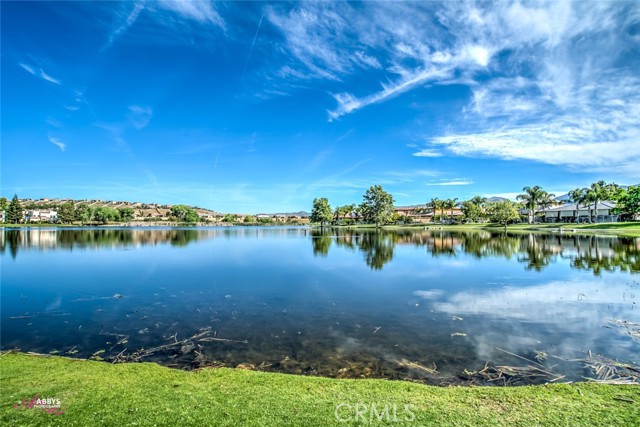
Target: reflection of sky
[
  {"x": 574, "y": 313},
  {"x": 248, "y": 282}
]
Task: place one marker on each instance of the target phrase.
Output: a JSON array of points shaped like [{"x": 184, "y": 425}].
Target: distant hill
[
  {"x": 496, "y": 199},
  {"x": 301, "y": 214},
  {"x": 141, "y": 210}
]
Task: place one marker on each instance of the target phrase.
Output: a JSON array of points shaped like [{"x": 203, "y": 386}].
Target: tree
[
  {"x": 438, "y": 205},
  {"x": 249, "y": 218},
  {"x": 104, "y": 214},
  {"x": 83, "y": 213},
  {"x": 14, "y": 213},
  {"x": 579, "y": 197},
  {"x": 503, "y": 212},
  {"x": 321, "y": 211},
  {"x": 377, "y": 206},
  {"x": 546, "y": 201},
  {"x": 184, "y": 213},
  {"x": 126, "y": 214},
  {"x": 4, "y": 204},
  {"x": 450, "y": 204},
  {"x": 67, "y": 212},
  {"x": 474, "y": 211},
  {"x": 341, "y": 212},
  {"x": 230, "y": 218},
  {"x": 532, "y": 198},
  {"x": 598, "y": 192},
  {"x": 629, "y": 203}
]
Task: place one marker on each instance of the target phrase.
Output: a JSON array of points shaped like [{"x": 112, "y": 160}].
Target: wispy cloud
[
  {"x": 55, "y": 141},
  {"x": 48, "y": 78},
  {"x": 128, "y": 22},
  {"x": 40, "y": 73},
  {"x": 460, "y": 181},
  {"x": 28, "y": 68},
  {"x": 199, "y": 10},
  {"x": 552, "y": 82},
  {"x": 427, "y": 152},
  {"x": 140, "y": 116}
]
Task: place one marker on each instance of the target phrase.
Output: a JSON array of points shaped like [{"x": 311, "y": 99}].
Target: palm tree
[
  {"x": 546, "y": 200},
  {"x": 451, "y": 203},
  {"x": 478, "y": 200},
  {"x": 532, "y": 197},
  {"x": 578, "y": 196},
  {"x": 598, "y": 192},
  {"x": 434, "y": 204}
]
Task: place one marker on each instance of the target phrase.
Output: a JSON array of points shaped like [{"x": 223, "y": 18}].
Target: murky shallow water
[{"x": 426, "y": 305}]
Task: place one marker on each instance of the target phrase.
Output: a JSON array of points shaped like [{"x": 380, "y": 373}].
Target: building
[
  {"x": 43, "y": 215},
  {"x": 567, "y": 213},
  {"x": 423, "y": 213}
]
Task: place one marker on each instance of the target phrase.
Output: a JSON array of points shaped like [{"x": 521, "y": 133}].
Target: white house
[
  {"x": 44, "y": 215},
  {"x": 568, "y": 213}
]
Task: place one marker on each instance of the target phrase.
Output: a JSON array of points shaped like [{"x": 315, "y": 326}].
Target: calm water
[{"x": 341, "y": 303}]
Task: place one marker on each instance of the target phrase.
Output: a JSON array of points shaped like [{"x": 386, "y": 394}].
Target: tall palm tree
[
  {"x": 598, "y": 192},
  {"x": 578, "y": 196},
  {"x": 451, "y": 203},
  {"x": 531, "y": 198},
  {"x": 478, "y": 200},
  {"x": 434, "y": 204},
  {"x": 546, "y": 200}
]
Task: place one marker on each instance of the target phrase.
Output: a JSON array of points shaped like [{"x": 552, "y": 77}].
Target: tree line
[
  {"x": 377, "y": 206},
  {"x": 69, "y": 213}
]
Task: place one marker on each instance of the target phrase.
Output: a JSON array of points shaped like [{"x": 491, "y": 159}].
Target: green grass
[
  {"x": 631, "y": 229},
  {"x": 144, "y": 394}
]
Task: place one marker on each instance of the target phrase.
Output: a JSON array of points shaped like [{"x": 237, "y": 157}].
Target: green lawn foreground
[{"x": 145, "y": 394}]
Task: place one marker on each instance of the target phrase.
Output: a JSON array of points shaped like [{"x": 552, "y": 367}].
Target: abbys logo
[
  {"x": 374, "y": 412},
  {"x": 49, "y": 405}
]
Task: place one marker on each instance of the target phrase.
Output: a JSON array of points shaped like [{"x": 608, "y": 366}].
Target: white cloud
[
  {"x": 427, "y": 152},
  {"x": 479, "y": 54},
  {"x": 460, "y": 181},
  {"x": 55, "y": 141},
  {"x": 128, "y": 22},
  {"x": 48, "y": 78},
  {"x": 199, "y": 10},
  {"x": 28, "y": 68},
  {"x": 348, "y": 103},
  {"x": 553, "y": 82},
  {"x": 41, "y": 73}
]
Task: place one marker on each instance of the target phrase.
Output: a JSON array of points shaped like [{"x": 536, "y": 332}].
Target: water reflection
[
  {"x": 82, "y": 238},
  {"x": 535, "y": 251},
  {"x": 357, "y": 303}
]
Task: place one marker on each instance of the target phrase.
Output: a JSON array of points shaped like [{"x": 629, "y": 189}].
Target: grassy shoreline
[
  {"x": 146, "y": 394},
  {"x": 630, "y": 229}
]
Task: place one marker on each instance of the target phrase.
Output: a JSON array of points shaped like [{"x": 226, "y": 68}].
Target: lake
[{"x": 428, "y": 305}]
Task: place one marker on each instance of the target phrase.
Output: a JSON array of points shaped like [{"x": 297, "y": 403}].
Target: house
[
  {"x": 2, "y": 217},
  {"x": 567, "y": 213},
  {"x": 43, "y": 215},
  {"x": 415, "y": 212},
  {"x": 423, "y": 213}
]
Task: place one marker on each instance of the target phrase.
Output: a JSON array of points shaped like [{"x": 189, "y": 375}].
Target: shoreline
[{"x": 149, "y": 394}]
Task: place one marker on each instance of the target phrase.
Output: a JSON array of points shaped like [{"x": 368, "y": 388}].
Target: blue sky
[{"x": 258, "y": 106}]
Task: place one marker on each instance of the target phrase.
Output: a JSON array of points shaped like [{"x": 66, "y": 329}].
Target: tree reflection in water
[{"x": 536, "y": 251}]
